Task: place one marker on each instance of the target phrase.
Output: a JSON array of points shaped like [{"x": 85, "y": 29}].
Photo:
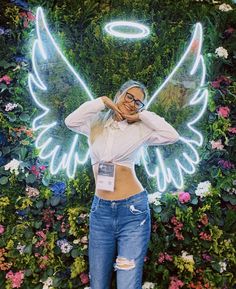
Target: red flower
[{"x": 84, "y": 278}]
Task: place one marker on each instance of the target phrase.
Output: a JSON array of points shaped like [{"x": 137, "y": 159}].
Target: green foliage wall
[{"x": 192, "y": 243}]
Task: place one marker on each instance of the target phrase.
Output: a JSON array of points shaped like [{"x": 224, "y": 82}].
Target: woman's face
[{"x": 124, "y": 103}]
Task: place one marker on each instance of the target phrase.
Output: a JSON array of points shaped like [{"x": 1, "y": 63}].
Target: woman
[{"x": 119, "y": 217}]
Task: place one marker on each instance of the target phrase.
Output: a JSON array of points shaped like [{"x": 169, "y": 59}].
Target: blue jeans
[{"x": 121, "y": 227}]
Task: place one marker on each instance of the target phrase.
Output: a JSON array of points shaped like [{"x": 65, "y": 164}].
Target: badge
[{"x": 106, "y": 176}]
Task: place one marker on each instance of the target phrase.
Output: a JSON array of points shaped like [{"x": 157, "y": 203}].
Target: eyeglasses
[{"x": 138, "y": 103}]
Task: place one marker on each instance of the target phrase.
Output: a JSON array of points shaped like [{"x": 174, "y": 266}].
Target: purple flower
[
  {"x": 206, "y": 257},
  {"x": 225, "y": 164}
]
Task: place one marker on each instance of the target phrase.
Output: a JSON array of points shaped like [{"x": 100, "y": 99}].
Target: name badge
[{"x": 106, "y": 176}]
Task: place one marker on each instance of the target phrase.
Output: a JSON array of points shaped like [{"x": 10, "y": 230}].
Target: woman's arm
[
  {"x": 80, "y": 119},
  {"x": 158, "y": 130}
]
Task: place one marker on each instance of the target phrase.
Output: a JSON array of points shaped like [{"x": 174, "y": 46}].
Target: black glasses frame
[{"x": 139, "y": 104}]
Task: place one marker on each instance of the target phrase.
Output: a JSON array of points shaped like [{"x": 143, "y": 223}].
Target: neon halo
[{"x": 144, "y": 30}]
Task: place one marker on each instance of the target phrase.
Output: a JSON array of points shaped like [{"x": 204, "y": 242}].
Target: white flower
[
  {"x": 222, "y": 266},
  {"x": 221, "y": 52},
  {"x": 20, "y": 248},
  {"x": 187, "y": 257},
  {"x": 10, "y": 106},
  {"x": 148, "y": 285},
  {"x": 87, "y": 288},
  {"x": 225, "y": 7},
  {"x": 13, "y": 166},
  {"x": 203, "y": 189},
  {"x": 47, "y": 283},
  {"x": 66, "y": 247},
  {"x": 154, "y": 198}
]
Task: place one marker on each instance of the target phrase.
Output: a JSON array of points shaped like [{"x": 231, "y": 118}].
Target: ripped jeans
[{"x": 119, "y": 227}]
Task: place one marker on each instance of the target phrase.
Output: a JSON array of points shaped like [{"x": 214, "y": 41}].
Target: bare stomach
[{"x": 126, "y": 184}]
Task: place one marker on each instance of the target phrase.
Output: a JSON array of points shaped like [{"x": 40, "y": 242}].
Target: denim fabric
[{"x": 118, "y": 228}]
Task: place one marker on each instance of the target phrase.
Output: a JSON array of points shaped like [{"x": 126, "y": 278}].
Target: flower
[
  {"x": 221, "y": 83},
  {"x": 16, "y": 279},
  {"x": 13, "y": 166},
  {"x": 148, "y": 285},
  {"x": 6, "y": 78},
  {"x": 204, "y": 219},
  {"x": 205, "y": 236},
  {"x": 32, "y": 192},
  {"x": 217, "y": 145},
  {"x": 203, "y": 189},
  {"x": 175, "y": 283},
  {"x": 27, "y": 17},
  {"x": 47, "y": 283},
  {"x": 225, "y": 7},
  {"x": 221, "y": 52},
  {"x": 184, "y": 197},
  {"x": 187, "y": 257},
  {"x": 222, "y": 266},
  {"x": 206, "y": 257},
  {"x": 226, "y": 164},
  {"x": 227, "y": 33},
  {"x": 178, "y": 227},
  {"x": 2, "y": 229},
  {"x": 64, "y": 246},
  {"x": 10, "y": 106},
  {"x": 223, "y": 111},
  {"x": 154, "y": 198},
  {"x": 20, "y": 248},
  {"x": 58, "y": 189},
  {"x": 232, "y": 129},
  {"x": 84, "y": 278},
  {"x": 164, "y": 256}
]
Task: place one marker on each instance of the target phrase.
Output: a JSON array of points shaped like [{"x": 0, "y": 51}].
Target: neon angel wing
[
  {"x": 52, "y": 82},
  {"x": 182, "y": 99}
]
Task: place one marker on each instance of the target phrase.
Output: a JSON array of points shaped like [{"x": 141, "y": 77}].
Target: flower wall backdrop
[{"x": 44, "y": 218}]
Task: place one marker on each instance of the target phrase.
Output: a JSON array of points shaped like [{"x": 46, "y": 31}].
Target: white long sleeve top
[{"x": 120, "y": 142}]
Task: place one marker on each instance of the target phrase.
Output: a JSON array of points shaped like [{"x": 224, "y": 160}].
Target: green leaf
[
  {"x": 75, "y": 253},
  {"x": 39, "y": 204},
  {"x": 30, "y": 178},
  {"x": 55, "y": 201},
  {"x": 28, "y": 249},
  {"x": 3, "y": 180},
  {"x": 24, "y": 116},
  {"x": 194, "y": 201}
]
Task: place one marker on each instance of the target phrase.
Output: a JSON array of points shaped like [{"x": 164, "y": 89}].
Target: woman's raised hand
[{"x": 110, "y": 104}]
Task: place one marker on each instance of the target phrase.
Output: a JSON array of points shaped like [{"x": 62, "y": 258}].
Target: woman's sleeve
[
  {"x": 80, "y": 119},
  {"x": 157, "y": 130}
]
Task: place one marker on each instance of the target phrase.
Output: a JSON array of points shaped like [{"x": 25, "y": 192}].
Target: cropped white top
[{"x": 120, "y": 141}]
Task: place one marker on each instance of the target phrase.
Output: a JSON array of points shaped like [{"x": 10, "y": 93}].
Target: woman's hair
[{"x": 98, "y": 124}]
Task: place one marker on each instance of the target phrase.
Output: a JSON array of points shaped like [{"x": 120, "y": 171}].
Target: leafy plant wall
[{"x": 44, "y": 218}]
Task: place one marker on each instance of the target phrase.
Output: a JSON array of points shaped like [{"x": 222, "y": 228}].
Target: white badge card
[{"x": 106, "y": 177}]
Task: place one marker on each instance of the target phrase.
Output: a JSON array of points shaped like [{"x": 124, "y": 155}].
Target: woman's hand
[
  {"x": 110, "y": 104},
  {"x": 131, "y": 118}
]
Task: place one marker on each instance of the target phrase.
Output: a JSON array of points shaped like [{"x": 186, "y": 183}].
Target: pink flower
[
  {"x": 1, "y": 229},
  {"x": 223, "y": 111},
  {"x": 206, "y": 257},
  {"x": 84, "y": 278},
  {"x": 6, "y": 78},
  {"x": 184, "y": 197},
  {"x": 217, "y": 144},
  {"x": 232, "y": 129},
  {"x": 16, "y": 279},
  {"x": 175, "y": 283},
  {"x": 205, "y": 236},
  {"x": 204, "y": 219},
  {"x": 42, "y": 168},
  {"x": 27, "y": 16}
]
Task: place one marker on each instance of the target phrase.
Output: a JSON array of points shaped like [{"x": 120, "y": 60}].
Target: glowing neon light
[
  {"x": 71, "y": 157},
  {"x": 200, "y": 97},
  {"x": 144, "y": 30},
  {"x": 162, "y": 173}
]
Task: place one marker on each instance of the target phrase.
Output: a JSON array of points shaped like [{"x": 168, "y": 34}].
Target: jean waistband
[{"x": 136, "y": 197}]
